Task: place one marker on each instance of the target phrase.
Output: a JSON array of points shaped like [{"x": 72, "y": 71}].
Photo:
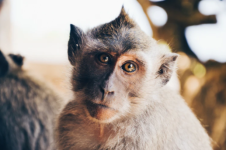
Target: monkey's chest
[{"x": 95, "y": 138}]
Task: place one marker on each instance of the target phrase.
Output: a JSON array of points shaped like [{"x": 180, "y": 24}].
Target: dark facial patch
[
  {"x": 17, "y": 59},
  {"x": 4, "y": 66},
  {"x": 90, "y": 75}
]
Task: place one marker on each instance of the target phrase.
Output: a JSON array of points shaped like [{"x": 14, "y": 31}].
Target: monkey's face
[
  {"x": 108, "y": 83},
  {"x": 116, "y": 67}
]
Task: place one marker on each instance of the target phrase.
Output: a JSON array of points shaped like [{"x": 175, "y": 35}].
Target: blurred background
[{"x": 195, "y": 29}]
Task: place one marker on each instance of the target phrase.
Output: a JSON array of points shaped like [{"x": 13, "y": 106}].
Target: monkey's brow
[
  {"x": 140, "y": 61},
  {"x": 100, "y": 48},
  {"x": 96, "y": 51}
]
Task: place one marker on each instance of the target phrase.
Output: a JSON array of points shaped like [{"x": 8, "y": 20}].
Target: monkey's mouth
[{"x": 99, "y": 111}]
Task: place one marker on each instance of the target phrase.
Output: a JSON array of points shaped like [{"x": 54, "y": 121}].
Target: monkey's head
[
  {"x": 10, "y": 63},
  {"x": 116, "y": 69}
]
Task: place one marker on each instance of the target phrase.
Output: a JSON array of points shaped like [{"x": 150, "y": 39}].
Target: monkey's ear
[
  {"x": 17, "y": 59},
  {"x": 4, "y": 65},
  {"x": 75, "y": 43},
  {"x": 167, "y": 67}
]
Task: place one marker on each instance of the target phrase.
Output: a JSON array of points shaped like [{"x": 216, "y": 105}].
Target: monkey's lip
[{"x": 100, "y": 111}]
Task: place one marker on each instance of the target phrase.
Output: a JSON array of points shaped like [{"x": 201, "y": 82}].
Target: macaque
[
  {"x": 121, "y": 98},
  {"x": 28, "y": 108}
]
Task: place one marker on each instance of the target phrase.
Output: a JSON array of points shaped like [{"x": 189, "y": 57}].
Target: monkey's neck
[{"x": 104, "y": 131}]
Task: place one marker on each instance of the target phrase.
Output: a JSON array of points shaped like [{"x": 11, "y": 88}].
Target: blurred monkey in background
[{"x": 28, "y": 108}]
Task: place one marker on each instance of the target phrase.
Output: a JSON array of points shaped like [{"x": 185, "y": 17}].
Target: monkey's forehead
[{"x": 120, "y": 41}]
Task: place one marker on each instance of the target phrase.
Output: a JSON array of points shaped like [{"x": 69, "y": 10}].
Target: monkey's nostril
[
  {"x": 111, "y": 93},
  {"x": 102, "y": 90}
]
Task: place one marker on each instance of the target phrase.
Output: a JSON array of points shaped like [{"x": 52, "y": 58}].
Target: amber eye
[
  {"x": 129, "y": 67},
  {"x": 104, "y": 58}
]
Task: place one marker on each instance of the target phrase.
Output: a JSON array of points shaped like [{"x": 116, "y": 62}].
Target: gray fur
[{"x": 28, "y": 108}]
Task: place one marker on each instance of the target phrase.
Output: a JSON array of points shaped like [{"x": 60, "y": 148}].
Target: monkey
[
  {"x": 121, "y": 98},
  {"x": 28, "y": 107}
]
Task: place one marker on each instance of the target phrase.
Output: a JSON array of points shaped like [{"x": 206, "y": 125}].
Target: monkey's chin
[{"x": 100, "y": 113}]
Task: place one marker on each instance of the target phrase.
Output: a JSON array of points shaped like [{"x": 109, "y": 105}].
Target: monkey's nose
[{"x": 106, "y": 94}]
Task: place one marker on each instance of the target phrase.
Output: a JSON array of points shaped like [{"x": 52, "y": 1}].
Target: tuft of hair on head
[
  {"x": 123, "y": 19},
  {"x": 108, "y": 29}
]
